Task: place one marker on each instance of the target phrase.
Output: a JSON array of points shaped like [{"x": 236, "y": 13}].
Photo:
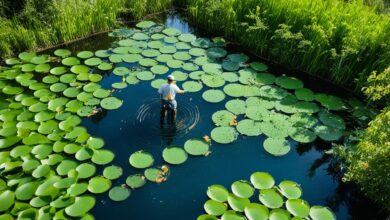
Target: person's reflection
[{"x": 168, "y": 132}]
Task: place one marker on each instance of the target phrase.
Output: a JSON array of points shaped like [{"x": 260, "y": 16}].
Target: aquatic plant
[
  {"x": 274, "y": 201},
  {"x": 337, "y": 40}
]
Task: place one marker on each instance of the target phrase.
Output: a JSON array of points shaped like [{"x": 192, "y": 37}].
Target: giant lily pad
[
  {"x": 119, "y": 193},
  {"x": 141, "y": 159},
  {"x": 215, "y": 208},
  {"x": 213, "y": 96},
  {"x": 256, "y": 211},
  {"x": 236, "y": 106},
  {"x": 271, "y": 198},
  {"x": 242, "y": 189},
  {"x": 224, "y": 135},
  {"x": 321, "y": 213},
  {"x": 277, "y": 147},
  {"x": 290, "y": 189},
  {"x": 135, "y": 181},
  {"x": 174, "y": 155},
  {"x": 112, "y": 172},
  {"x": 99, "y": 185},
  {"x": 328, "y": 133},
  {"x": 213, "y": 81},
  {"x": 196, "y": 147},
  {"x": 298, "y": 207},
  {"x": 81, "y": 206},
  {"x": 223, "y": 118},
  {"x": 217, "y": 193},
  {"x": 111, "y": 103},
  {"x": 249, "y": 127},
  {"x": 192, "y": 86}
]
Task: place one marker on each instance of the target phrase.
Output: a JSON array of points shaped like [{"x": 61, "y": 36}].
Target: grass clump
[{"x": 336, "y": 40}]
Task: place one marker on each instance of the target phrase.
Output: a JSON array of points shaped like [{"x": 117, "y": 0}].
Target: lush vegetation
[
  {"x": 368, "y": 159},
  {"x": 32, "y": 24},
  {"x": 337, "y": 40}
]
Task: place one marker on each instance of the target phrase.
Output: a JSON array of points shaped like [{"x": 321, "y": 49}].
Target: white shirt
[{"x": 168, "y": 91}]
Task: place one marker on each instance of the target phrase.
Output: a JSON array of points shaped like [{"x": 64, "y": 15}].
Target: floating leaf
[
  {"x": 119, "y": 193},
  {"x": 290, "y": 189},
  {"x": 85, "y": 170},
  {"x": 271, "y": 198},
  {"x": 215, "y": 208},
  {"x": 192, "y": 86},
  {"x": 224, "y": 135},
  {"x": 154, "y": 174},
  {"x": 196, "y": 147},
  {"x": 301, "y": 135},
  {"x": 242, "y": 189},
  {"x": 102, "y": 157},
  {"x": 236, "y": 106},
  {"x": 135, "y": 181},
  {"x": 256, "y": 211},
  {"x": 111, "y": 103},
  {"x": 289, "y": 82},
  {"x": 141, "y": 159},
  {"x": 298, "y": 207},
  {"x": 236, "y": 203},
  {"x": 328, "y": 133},
  {"x": 259, "y": 66},
  {"x": 222, "y": 118},
  {"x": 321, "y": 213},
  {"x": 7, "y": 199},
  {"x": 81, "y": 206},
  {"x": 217, "y": 193},
  {"x": 213, "y": 96},
  {"x": 174, "y": 155},
  {"x": 157, "y": 83},
  {"x": 112, "y": 172},
  {"x": 277, "y": 147},
  {"x": 98, "y": 185},
  {"x": 279, "y": 214},
  {"x": 249, "y": 127}
]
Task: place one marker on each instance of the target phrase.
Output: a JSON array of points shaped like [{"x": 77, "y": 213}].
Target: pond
[{"x": 135, "y": 126}]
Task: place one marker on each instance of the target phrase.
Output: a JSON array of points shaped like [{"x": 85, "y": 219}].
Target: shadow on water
[{"x": 135, "y": 126}]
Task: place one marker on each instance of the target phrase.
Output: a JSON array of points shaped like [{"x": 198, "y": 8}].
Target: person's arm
[
  {"x": 160, "y": 92},
  {"x": 178, "y": 90}
]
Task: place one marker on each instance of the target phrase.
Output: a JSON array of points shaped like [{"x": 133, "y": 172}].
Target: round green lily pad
[
  {"x": 242, "y": 189},
  {"x": 171, "y": 31},
  {"x": 99, "y": 185},
  {"x": 179, "y": 75},
  {"x": 215, "y": 208},
  {"x": 298, "y": 207},
  {"x": 222, "y": 118},
  {"x": 236, "y": 203},
  {"x": 71, "y": 61},
  {"x": 249, "y": 127},
  {"x": 111, "y": 103},
  {"x": 141, "y": 159},
  {"x": 145, "y": 75},
  {"x": 328, "y": 133},
  {"x": 102, "y": 157},
  {"x": 85, "y": 54},
  {"x": 174, "y": 155},
  {"x": 81, "y": 206},
  {"x": 216, "y": 52},
  {"x": 196, "y": 147},
  {"x": 206, "y": 217},
  {"x": 256, "y": 211},
  {"x": 119, "y": 193},
  {"x": 236, "y": 106},
  {"x": 159, "y": 69},
  {"x": 157, "y": 83},
  {"x": 112, "y": 172},
  {"x": 62, "y": 53},
  {"x": 121, "y": 71},
  {"x": 101, "y": 93},
  {"x": 213, "y": 96},
  {"x": 271, "y": 198},
  {"x": 192, "y": 86},
  {"x": 224, "y": 135},
  {"x": 153, "y": 174},
  {"x": 217, "y": 193},
  {"x": 86, "y": 170},
  {"x": 279, "y": 214},
  {"x": 135, "y": 181},
  {"x": 290, "y": 189},
  {"x": 321, "y": 213},
  {"x": 277, "y": 147},
  {"x": 302, "y": 135}
]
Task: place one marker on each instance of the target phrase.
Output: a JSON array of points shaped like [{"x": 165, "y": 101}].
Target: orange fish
[
  {"x": 165, "y": 169},
  {"x": 207, "y": 139}
]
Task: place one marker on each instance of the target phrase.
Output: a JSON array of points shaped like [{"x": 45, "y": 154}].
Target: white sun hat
[{"x": 170, "y": 77}]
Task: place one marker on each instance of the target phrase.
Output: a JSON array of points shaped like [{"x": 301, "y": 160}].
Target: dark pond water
[{"x": 135, "y": 126}]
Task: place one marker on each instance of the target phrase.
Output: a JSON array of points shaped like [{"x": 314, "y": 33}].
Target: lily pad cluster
[
  {"x": 48, "y": 161},
  {"x": 260, "y": 199}
]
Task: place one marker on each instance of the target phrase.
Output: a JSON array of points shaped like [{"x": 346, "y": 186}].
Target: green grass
[
  {"x": 68, "y": 20},
  {"x": 339, "y": 41}
]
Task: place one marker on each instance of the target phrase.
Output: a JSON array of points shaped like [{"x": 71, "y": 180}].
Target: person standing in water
[{"x": 168, "y": 93}]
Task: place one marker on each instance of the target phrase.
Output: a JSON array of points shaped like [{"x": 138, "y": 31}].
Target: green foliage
[
  {"x": 337, "y": 40},
  {"x": 368, "y": 161},
  {"x": 378, "y": 86},
  {"x": 32, "y": 24}
]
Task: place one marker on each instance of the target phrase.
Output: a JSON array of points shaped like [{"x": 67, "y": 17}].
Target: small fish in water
[
  {"x": 161, "y": 179},
  {"x": 207, "y": 153},
  {"x": 207, "y": 139}
]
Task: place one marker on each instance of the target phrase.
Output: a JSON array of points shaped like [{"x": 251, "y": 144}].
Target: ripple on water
[{"x": 148, "y": 119}]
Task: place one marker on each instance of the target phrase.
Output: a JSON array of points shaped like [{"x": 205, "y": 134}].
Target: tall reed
[
  {"x": 337, "y": 40},
  {"x": 70, "y": 19}
]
